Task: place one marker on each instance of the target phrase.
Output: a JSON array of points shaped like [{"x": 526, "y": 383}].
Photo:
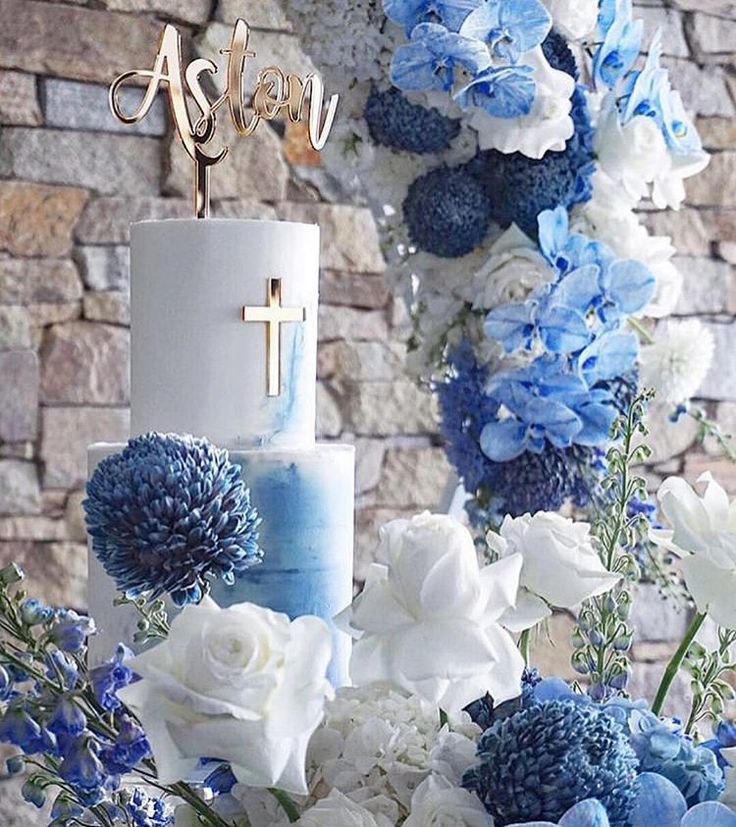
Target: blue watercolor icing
[{"x": 306, "y": 502}]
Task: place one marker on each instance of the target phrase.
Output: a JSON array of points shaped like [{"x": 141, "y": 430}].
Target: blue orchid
[
  {"x": 510, "y": 27},
  {"x": 409, "y": 13},
  {"x": 429, "y": 61},
  {"x": 503, "y": 92},
  {"x": 611, "y": 354},
  {"x": 620, "y": 47}
]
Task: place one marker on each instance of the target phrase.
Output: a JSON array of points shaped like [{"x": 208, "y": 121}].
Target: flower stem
[
  {"x": 641, "y": 330},
  {"x": 676, "y": 662},
  {"x": 287, "y": 804},
  {"x": 184, "y": 791},
  {"x": 525, "y": 644}
]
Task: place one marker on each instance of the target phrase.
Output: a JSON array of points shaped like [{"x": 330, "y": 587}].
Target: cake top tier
[{"x": 224, "y": 330}]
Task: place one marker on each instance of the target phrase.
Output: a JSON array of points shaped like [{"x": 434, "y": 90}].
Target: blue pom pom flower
[
  {"x": 537, "y": 764},
  {"x": 169, "y": 513}
]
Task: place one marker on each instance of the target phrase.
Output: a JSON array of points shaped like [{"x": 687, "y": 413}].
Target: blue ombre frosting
[{"x": 305, "y": 499}]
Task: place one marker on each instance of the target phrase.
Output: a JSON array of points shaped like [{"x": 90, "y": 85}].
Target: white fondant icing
[{"x": 196, "y": 367}]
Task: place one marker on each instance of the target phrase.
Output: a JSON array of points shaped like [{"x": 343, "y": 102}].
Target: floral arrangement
[
  {"x": 506, "y": 146},
  {"x": 227, "y": 719}
]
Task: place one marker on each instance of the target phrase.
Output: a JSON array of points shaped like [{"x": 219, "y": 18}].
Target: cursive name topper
[{"x": 275, "y": 92}]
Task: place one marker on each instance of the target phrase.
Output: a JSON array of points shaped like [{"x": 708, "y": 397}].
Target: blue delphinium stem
[{"x": 676, "y": 662}]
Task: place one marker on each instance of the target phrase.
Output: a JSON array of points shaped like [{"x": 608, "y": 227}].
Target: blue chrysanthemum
[
  {"x": 447, "y": 212},
  {"x": 520, "y": 188},
  {"x": 395, "y": 122},
  {"x": 538, "y": 763},
  {"x": 559, "y": 55},
  {"x": 168, "y": 513}
]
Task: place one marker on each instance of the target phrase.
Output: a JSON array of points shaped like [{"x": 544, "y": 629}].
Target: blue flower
[
  {"x": 502, "y": 92},
  {"x": 129, "y": 749},
  {"x": 108, "y": 678},
  {"x": 33, "y": 612},
  {"x": 620, "y": 47},
  {"x": 539, "y": 763},
  {"x": 612, "y": 354},
  {"x": 60, "y": 666},
  {"x": 430, "y": 59},
  {"x": 447, "y": 212},
  {"x": 409, "y": 13},
  {"x": 658, "y": 801},
  {"x": 396, "y": 122},
  {"x": 70, "y": 630},
  {"x": 83, "y": 769},
  {"x": 66, "y": 809},
  {"x": 146, "y": 811},
  {"x": 167, "y": 514},
  {"x": 221, "y": 780},
  {"x": 725, "y": 736},
  {"x": 17, "y": 727},
  {"x": 587, "y": 813},
  {"x": 560, "y": 56},
  {"x": 510, "y": 27},
  {"x": 67, "y": 722}
]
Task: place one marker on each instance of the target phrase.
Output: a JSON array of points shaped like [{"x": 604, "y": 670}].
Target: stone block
[
  {"x": 350, "y": 241},
  {"x": 716, "y": 185},
  {"x": 111, "y": 306},
  {"x": 190, "y": 11},
  {"x": 671, "y": 24},
  {"x": 105, "y": 268},
  {"x": 83, "y": 363},
  {"x": 645, "y": 682},
  {"x": 369, "y": 455},
  {"x": 720, "y": 383},
  {"x": 73, "y": 42},
  {"x": 354, "y": 289},
  {"x": 15, "y": 328},
  {"x": 44, "y": 315},
  {"x": 38, "y": 281},
  {"x": 70, "y": 104},
  {"x": 368, "y": 361},
  {"x": 329, "y": 416},
  {"x": 727, "y": 251},
  {"x": 685, "y": 227},
  {"x": 242, "y": 208},
  {"x": 389, "y": 408},
  {"x": 14, "y": 811},
  {"x": 74, "y": 517},
  {"x": 704, "y": 89},
  {"x": 713, "y": 35},
  {"x": 119, "y": 164},
  {"x": 707, "y": 285},
  {"x": 349, "y": 323},
  {"x": 656, "y": 620},
  {"x": 19, "y": 409},
  {"x": 721, "y": 8},
  {"x": 38, "y": 529},
  {"x": 550, "y": 653},
  {"x": 260, "y": 14},
  {"x": 56, "y": 573},
  {"x": 19, "y": 489},
  {"x": 723, "y": 469},
  {"x": 66, "y": 433},
  {"x": 38, "y": 220},
  {"x": 412, "y": 478},
  {"x": 254, "y": 168},
  {"x": 717, "y": 133},
  {"x": 720, "y": 224},
  {"x": 19, "y": 99}
]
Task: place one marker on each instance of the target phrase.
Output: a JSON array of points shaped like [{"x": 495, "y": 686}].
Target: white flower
[
  {"x": 452, "y": 754},
  {"x": 561, "y": 568},
  {"x": 546, "y": 128},
  {"x": 635, "y": 155},
  {"x": 242, "y": 684},
  {"x": 574, "y": 19},
  {"x": 513, "y": 269},
  {"x": 427, "y": 619},
  {"x": 728, "y": 797},
  {"x": 337, "y": 810},
  {"x": 438, "y": 803},
  {"x": 704, "y": 532},
  {"x": 678, "y": 361}
]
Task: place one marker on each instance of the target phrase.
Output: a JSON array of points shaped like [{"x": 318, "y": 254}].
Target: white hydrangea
[
  {"x": 438, "y": 803},
  {"x": 678, "y": 360},
  {"x": 377, "y": 744}
]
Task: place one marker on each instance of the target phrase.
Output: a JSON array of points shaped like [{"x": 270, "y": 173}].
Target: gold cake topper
[{"x": 274, "y": 92}]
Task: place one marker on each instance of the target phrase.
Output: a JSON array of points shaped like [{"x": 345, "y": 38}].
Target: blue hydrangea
[
  {"x": 520, "y": 188},
  {"x": 168, "y": 513},
  {"x": 395, "y": 122},
  {"x": 539, "y": 763},
  {"x": 725, "y": 736},
  {"x": 447, "y": 212}
]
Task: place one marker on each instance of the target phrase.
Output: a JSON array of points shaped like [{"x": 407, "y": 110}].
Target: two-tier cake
[{"x": 224, "y": 345}]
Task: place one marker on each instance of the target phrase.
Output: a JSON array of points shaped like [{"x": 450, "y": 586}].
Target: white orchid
[
  {"x": 427, "y": 619},
  {"x": 574, "y": 19},
  {"x": 242, "y": 684},
  {"x": 560, "y": 566},
  {"x": 704, "y": 534}
]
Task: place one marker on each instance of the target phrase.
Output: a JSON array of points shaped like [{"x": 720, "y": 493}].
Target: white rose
[
  {"x": 427, "y": 619},
  {"x": 704, "y": 533},
  {"x": 438, "y": 803},
  {"x": 574, "y": 19},
  {"x": 513, "y": 269},
  {"x": 243, "y": 684},
  {"x": 546, "y": 128},
  {"x": 560, "y": 569},
  {"x": 337, "y": 810}
]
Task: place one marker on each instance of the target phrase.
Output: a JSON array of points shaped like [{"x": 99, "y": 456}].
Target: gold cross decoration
[{"x": 273, "y": 315}]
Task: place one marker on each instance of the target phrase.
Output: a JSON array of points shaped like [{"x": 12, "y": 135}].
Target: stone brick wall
[{"x": 71, "y": 179}]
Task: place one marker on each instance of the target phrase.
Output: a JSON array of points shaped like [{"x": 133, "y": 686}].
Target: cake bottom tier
[{"x": 305, "y": 498}]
